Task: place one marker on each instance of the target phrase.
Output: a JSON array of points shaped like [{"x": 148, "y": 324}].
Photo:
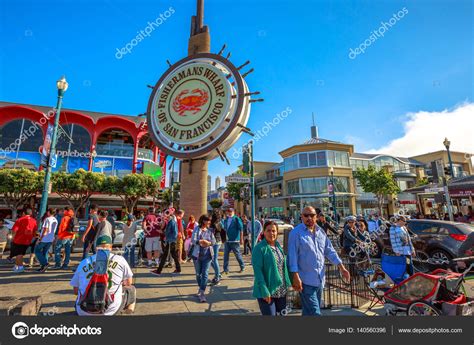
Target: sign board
[
  {"x": 196, "y": 106},
  {"x": 434, "y": 190},
  {"x": 46, "y": 146},
  {"x": 103, "y": 164},
  {"x": 237, "y": 179},
  {"x": 153, "y": 170}
]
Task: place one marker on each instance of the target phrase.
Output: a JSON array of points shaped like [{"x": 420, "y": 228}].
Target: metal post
[
  {"x": 252, "y": 192},
  {"x": 334, "y": 199},
  {"x": 450, "y": 163},
  {"x": 448, "y": 200},
  {"x": 52, "y": 153}
]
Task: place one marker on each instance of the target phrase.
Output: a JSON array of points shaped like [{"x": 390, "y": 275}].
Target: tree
[
  {"x": 234, "y": 188},
  {"x": 378, "y": 181},
  {"x": 18, "y": 186},
  {"x": 215, "y": 203},
  {"x": 131, "y": 188},
  {"x": 78, "y": 187},
  {"x": 422, "y": 182}
]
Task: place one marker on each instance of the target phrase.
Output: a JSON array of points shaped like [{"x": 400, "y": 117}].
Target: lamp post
[
  {"x": 447, "y": 143},
  {"x": 62, "y": 86},
  {"x": 333, "y": 195}
]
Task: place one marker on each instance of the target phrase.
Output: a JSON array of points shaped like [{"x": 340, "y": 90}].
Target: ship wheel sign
[{"x": 199, "y": 107}]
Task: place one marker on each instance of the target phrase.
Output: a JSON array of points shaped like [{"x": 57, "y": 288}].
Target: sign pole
[
  {"x": 448, "y": 200},
  {"x": 252, "y": 191}
]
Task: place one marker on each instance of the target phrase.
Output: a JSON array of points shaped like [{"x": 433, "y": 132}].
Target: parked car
[
  {"x": 439, "y": 239},
  {"x": 119, "y": 232},
  {"x": 282, "y": 226}
]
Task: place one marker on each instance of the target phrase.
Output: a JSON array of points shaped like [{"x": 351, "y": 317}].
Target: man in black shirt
[{"x": 91, "y": 231}]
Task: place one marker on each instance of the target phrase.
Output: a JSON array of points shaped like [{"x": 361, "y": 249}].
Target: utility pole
[{"x": 252, "y": 191}]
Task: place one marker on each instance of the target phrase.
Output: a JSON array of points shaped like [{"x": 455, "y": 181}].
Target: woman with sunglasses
[{"x": 271, "y": 277}]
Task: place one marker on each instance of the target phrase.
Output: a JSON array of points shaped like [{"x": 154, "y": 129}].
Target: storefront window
[
  {"x": 275, "y": 190},
  {"x": 293, "y": 187},
  {"x": 338, "y": 158},
  {"x": 116, "y": 143}
]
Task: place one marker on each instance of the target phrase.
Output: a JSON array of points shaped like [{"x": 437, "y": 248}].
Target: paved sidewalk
[{"x": 168, "y": 294}]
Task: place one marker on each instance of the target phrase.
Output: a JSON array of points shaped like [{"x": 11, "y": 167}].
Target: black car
[{"x": 439, "y": 239}]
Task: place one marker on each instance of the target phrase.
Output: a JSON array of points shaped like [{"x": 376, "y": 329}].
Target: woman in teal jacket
[{"x": 271, "y": 279}]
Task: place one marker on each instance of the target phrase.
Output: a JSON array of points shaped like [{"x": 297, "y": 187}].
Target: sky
[{"x": 391, "y": 77}]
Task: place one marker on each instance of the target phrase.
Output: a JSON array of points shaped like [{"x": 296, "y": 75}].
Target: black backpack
[
  {"x": 97, "y": 298},
  {"x": 73, "y": 224}
]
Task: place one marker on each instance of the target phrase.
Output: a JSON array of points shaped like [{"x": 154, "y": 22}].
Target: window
[
  {"x": 312, "y": 159},
  {"x": 315, "y": 185},
  {"x": 293, "y": 187},
  {"x": 303, "y": 160},
  {"x": 262, "y": 192},
  {"x": 291, "y": 163},
  {"x": 275, "y": 190},
  {"x": 339, "y": 158},
  {"x": 321, "y": 158}
]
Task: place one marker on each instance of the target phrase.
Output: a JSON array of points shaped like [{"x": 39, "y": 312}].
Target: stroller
[{"x": 426, "y": 294}]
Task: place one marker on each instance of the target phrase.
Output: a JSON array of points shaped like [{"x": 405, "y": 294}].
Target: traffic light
[
  {"x": 447, "y": 171},
  {"x": 245, "y": 159}
]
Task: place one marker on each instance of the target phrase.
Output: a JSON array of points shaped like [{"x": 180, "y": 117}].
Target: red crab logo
[{"x": 190, "y": 101}]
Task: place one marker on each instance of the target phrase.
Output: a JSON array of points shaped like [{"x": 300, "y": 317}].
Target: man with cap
[
  {"x": 235, "y": 238},
  {"x": 325, "y": 225},
  {"x": 120, "y": 280}
]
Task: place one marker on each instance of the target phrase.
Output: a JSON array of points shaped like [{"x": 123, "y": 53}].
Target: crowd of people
[{"x": 169, "y": 239}]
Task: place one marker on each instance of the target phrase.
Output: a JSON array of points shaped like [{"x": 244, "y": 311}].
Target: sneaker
[
  {"x": 215, "y": 282},
  {"x": 156, "y": 273},
  {"x": 42, "y": 268},
  {"x": 198, "y": 294},
  {"x": 176, "y": 272},
  {"x": 19, "y": 269},
  {"x": 242, "y": 269},
  {"x": 202, "y": 298},
  {"x": 169, "y": 265},
  {"x": 56, "y": 268}
]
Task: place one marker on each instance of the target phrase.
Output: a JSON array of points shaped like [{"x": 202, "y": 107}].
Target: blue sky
[{"x": 299, "y": 49}]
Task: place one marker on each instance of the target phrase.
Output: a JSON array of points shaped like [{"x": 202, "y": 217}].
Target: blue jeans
[
  {"x": 273, "y": 308},
  {"x": 41, "y": 252},
  {"x": 215, "y": 261},
  {"x": 129, "y": 255},
  {"x": 67, "y": 244},
  {"x": 85, "y": 250},
  {"x": 235, "y": 248},
  {"x": 311, "y": 300},
  {"x": 202, "y": 272}
]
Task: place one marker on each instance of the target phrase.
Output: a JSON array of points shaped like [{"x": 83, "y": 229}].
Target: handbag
[{"x": 191, "y": 248}]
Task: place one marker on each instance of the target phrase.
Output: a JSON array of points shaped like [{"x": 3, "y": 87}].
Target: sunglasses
[{"x": 312, "y": 215}]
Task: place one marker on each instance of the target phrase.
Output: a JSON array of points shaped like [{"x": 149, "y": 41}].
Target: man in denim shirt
[{"x": 308, "y": 245}]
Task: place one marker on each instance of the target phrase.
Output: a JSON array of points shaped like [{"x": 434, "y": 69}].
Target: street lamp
[
  {"x": 333, "y": 195},
  {"x": 62, "y": 86},
  {"x": 447, "y": 144}
]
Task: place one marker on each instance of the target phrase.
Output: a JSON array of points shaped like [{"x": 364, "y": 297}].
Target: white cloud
[{"x": 425, "y": 132}]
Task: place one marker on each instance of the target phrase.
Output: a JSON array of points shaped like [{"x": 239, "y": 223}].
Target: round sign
[
  {"x": 196, "y": 107},
  {"x": 192, "y": 103}
]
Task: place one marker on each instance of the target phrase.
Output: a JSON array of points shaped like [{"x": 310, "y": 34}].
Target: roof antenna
[{"x": 314, "y": 129}]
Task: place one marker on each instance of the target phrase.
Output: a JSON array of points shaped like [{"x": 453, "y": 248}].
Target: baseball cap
[
  {"x": 351, "y": 219},
  {"x": 104, "y": 239},
  {"x": 130, "y": 217}
]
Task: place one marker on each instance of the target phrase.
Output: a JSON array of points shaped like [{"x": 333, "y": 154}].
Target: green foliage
[
  {"x": 131, "y": 188},
  {"x": 78, "y": 187},
  {"x": 215, "y": 203},
  {"x": 422, "y": 182},
  {"x": 377, "y": 181},
  {"x": 234, "y": 188},
  {"x": 18, "y": 186}
]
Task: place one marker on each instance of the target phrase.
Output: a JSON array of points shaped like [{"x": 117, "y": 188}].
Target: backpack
[
  {"x": 97, "y": 298},
  {"x": 73, "y": 223}
]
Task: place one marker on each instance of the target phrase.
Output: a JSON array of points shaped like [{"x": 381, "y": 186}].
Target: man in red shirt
[
  {"x": 24, "y": 230},
  {"x": 65, "y": 239}
]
